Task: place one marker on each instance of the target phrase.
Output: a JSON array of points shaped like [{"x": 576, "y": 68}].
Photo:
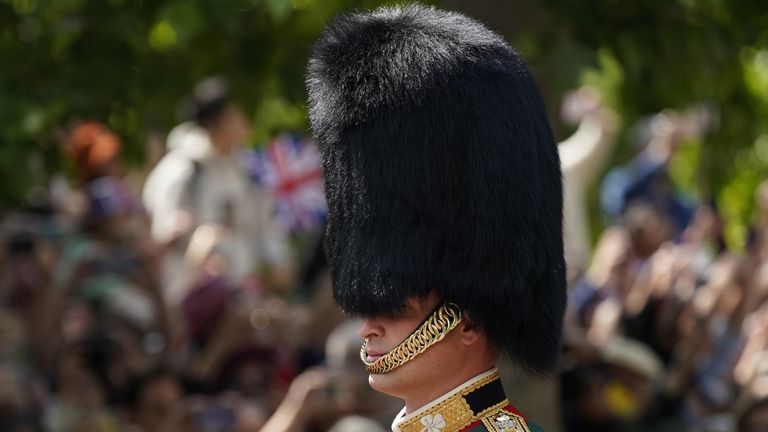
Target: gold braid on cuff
[{"x": 432, "y": 331}]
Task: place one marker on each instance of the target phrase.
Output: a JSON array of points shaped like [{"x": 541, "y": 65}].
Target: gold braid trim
[
  {"x": 455, "y": 410},
  {"x": 432, "y": 331}
]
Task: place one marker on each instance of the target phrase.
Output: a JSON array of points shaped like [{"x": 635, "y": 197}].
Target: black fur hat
[{"x": 441, "y": 174}]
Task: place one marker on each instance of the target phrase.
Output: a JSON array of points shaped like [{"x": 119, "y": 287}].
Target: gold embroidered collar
[{"x": 476, "y": 399}]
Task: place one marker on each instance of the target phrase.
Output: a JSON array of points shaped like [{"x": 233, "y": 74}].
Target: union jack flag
[{"x": 289, "y": 169}]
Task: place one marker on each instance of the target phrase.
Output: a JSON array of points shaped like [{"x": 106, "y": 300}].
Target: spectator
[
  {"x": 200, "y": 182},
  {"x": 666, "y": 329},
  {"x": 581, "y": 157},
  {"x": 618, "y": 390},
  {"x": 151, "y": 401},
  {"x": 646, "y": 177}
]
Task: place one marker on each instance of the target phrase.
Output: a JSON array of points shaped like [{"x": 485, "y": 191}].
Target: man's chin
[{"x": 383, "y": 383}]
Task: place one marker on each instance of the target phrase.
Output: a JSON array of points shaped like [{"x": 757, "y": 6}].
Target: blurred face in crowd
[
  {"x": 79, "y": 385},
  {"x": 416, "y": 380},
  {"x": 156, "y": 401},
  {"x": 647, "y": 227},
  {"x": 705, "y": 225},
  {"x": 252, "y": 378},
  {"x": 29, "y": 261},
  {"x": 228, "y": 130},
  {"x": 628, "y": 392},
  {"x": 113, "y": 167}
]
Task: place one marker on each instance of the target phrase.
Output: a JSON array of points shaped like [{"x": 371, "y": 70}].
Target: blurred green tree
[
  {"x": 650, "y": 55},
  {"x": 128, "y": 63},
  {"x": 657, "y": 54}
]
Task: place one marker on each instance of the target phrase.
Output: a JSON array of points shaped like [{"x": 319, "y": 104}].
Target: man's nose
[{"x": 370, "y": 328}]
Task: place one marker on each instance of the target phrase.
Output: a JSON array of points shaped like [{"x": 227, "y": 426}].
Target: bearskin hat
[{"x": 441, "y": 174}]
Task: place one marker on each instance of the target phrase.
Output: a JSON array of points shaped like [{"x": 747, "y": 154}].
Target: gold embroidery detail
[
  {"x": 455, "y": 410},
  {"x": 505, "y": 421},
  {"x": 434, "y": 329},
  {"x": 486, "y": 412}
]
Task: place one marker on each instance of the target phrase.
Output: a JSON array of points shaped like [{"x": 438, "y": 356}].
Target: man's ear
[{"x": 469, "y": 330}]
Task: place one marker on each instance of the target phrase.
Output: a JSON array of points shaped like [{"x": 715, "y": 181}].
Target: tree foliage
[
  {"x": 128, "y": 62},
  {"x": 647, "y": 56}
]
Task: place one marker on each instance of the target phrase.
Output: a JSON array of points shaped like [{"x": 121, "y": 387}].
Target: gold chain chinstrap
[{"x": 432, "y": 331}]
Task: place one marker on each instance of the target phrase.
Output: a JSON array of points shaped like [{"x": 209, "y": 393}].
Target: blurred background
[{"x": 162, "y": 210}]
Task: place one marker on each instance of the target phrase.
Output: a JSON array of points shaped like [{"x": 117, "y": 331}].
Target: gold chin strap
[{"x": 432, "y": 331}]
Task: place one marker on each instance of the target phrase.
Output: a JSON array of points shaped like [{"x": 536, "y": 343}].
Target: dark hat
[
  {"x": 207, "y": 100},
  {"x": 441, "y": 174}
]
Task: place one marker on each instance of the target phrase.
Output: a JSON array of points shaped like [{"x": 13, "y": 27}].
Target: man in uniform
[{"x": 445, "y": 211}]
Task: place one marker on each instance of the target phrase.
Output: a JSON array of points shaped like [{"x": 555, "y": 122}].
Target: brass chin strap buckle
[{"x": 432, "y": 331}]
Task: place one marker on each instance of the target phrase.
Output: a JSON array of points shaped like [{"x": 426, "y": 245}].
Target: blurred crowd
[
  {"x": 171, "y": 299},
  {"x": 666, "y": 329}
]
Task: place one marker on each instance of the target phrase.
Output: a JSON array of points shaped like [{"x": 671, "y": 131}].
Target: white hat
[{"x": 633, "y": 355}]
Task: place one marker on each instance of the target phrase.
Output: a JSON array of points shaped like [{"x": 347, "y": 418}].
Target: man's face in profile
[{"x": 383, "y": 333}]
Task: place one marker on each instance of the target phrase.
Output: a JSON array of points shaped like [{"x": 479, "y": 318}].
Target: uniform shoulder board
[{"x": 503, "y": 420}]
